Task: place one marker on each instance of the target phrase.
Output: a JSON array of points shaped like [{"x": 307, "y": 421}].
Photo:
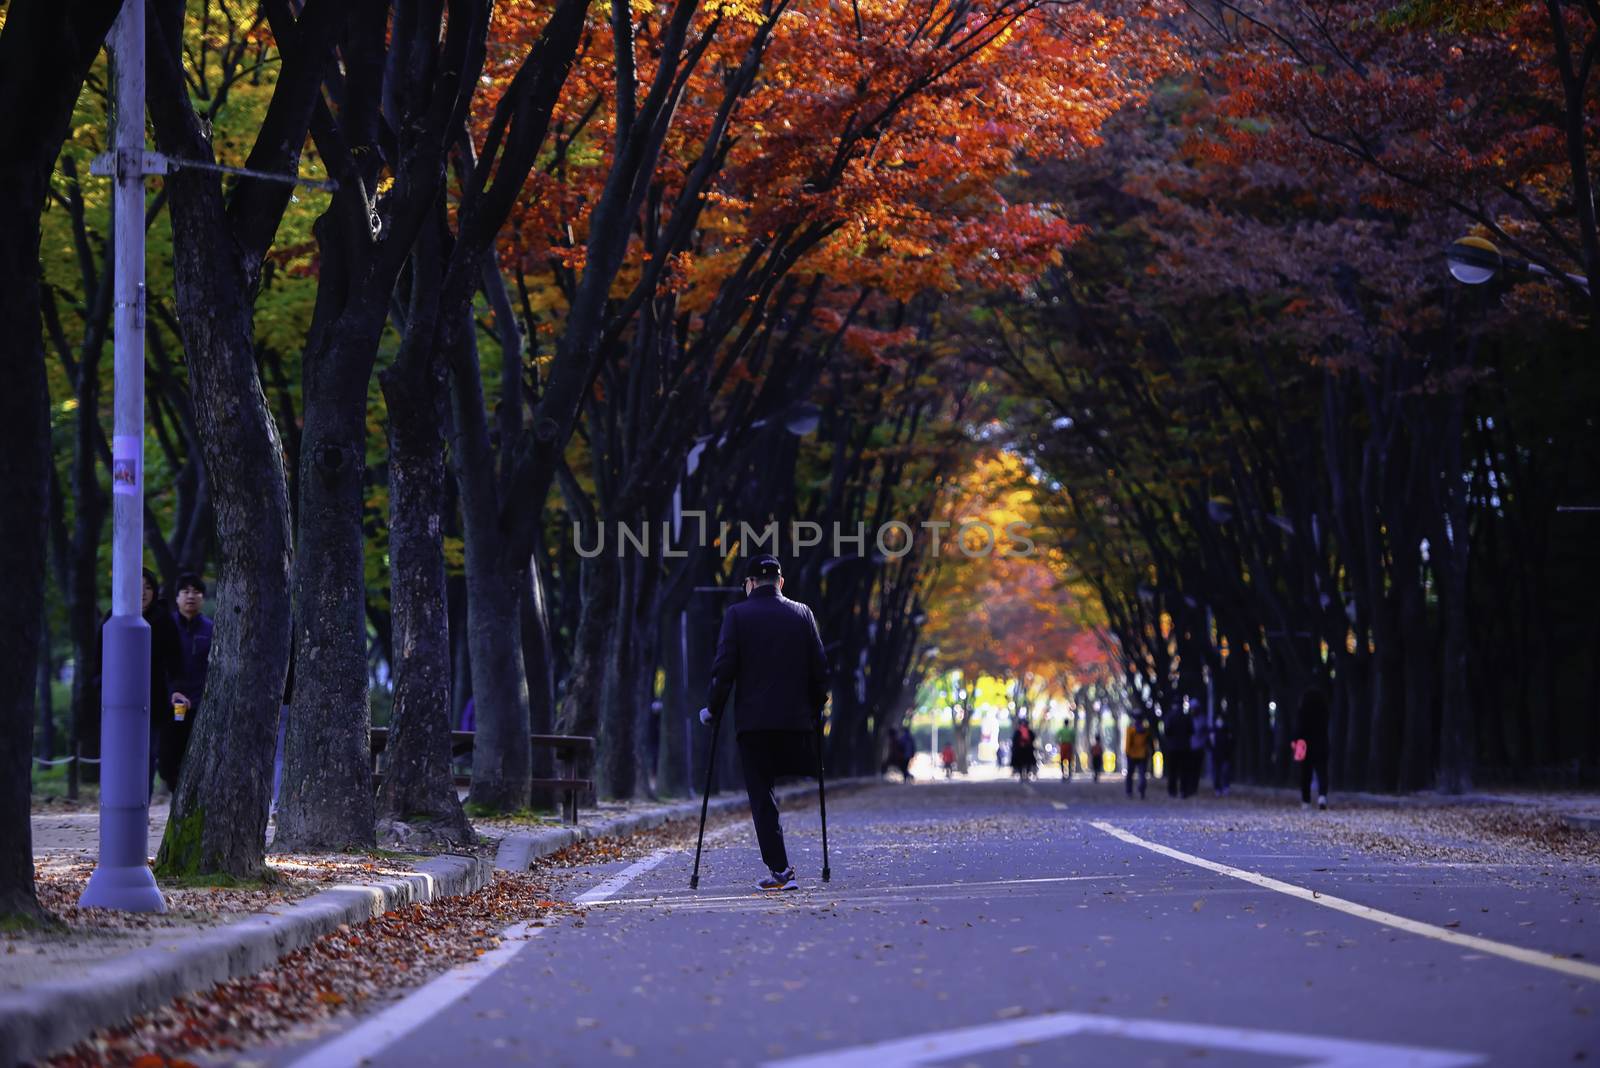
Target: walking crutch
[
  {"x": 822, "y": 802},
  {"x": 705, "y": 800}
]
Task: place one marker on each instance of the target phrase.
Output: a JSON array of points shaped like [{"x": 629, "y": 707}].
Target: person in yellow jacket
[{"x": 1136, "y": 750}]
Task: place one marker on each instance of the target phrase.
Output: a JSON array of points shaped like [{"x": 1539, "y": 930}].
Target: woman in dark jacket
[
  {"x": 1313, "y": 719},
  {"x": 163, "y": 662},
  {"x": 1024, "y": 758}
]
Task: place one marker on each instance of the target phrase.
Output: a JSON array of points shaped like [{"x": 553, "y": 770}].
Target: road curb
[
  {"x": 48, "y": 1017},
  {"x": 520, "y": 849},
  {"x": 1591, "y": 824}
]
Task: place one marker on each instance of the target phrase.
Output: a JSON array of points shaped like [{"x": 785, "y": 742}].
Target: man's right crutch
[
  {"x": 705, "y": 800},
  {"x": 822, "y": 803}
]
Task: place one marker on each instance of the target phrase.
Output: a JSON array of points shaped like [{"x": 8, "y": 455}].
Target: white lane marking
[
  {"x": 1538, "y": 959},
  {"x": 820, "y": 890},
  {"x": 1307, "y": 1050},
  {"x": 366, "y": 1040},
  {"x": 623, "y": 878}
]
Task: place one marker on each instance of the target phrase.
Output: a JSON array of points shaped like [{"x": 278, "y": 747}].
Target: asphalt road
[{"x": 1001, "y": 924}]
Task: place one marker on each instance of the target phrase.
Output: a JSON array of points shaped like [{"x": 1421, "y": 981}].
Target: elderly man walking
[{"x": 770, "y": 655}]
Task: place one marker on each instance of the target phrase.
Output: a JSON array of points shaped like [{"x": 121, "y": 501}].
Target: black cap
[{"x": 763, "y": 567}]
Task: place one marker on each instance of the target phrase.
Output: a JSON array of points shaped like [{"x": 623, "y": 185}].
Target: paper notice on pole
[{"x": 125, "y": 458}]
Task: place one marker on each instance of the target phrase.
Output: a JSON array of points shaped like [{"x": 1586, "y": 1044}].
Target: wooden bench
[
  {"x": 573, "y": 752},
  {"x": 378, "y": 741}
]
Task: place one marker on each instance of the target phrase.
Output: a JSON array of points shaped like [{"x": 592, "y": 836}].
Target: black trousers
[
  {"x": 1316, "y": 761},
  {"x": 767, "y": 756},
  {"x": 175, "y": 745},
  {"x": 1142, "y": 766}
]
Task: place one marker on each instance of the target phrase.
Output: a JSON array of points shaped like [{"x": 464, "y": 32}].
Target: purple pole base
[{"x": 122, "y": 879}]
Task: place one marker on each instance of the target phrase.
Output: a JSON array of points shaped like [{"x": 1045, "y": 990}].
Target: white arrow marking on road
[
  {"x": 1538, "y": 959},
  {"x": 1309, "y": 1050}
]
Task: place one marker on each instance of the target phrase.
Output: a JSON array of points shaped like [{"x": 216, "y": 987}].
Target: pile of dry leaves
[
  {"x": 339, "y": 972},
  {"x": 60, "y": 884}
]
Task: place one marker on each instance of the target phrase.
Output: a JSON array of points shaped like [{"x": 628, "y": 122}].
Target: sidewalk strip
[
  {"x": 1566, "y": 966},
  {"x": 362, "y": 1043}
]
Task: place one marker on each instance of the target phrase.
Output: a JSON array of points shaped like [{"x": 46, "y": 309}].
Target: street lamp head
[
  {"x": 802, "y": 419},
  {"x": 1473, "y": 260}
]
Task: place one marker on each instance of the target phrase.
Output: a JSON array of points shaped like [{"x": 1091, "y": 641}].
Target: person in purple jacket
[{"x": 770, "y": 656}]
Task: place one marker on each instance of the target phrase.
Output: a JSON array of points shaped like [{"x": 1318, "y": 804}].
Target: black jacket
[
  {"x": 1314, "y": 723},
  {"x": 770, "y": 649},
  {"x": 166, "y": 654}
]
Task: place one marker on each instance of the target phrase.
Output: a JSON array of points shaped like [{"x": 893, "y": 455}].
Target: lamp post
[{"x": 122, "y": 878}]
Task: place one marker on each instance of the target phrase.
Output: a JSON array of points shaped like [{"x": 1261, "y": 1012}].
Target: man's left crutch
[
  {"x": 822, "y": 802},
  {"x": 705, "y": 800}
]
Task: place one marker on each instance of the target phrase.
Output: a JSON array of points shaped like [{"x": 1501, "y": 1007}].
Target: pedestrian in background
[
  {"x": 908, "y": 752},
  {"x": 1136, "y": 750},
  {"x": 891, "y": 752},
  {"x": 1067, "y": 744},
  {"x": 1097, "y": 756},
  {"x": 1024, "y": 759},
  {"x": 1312, "y": 746},
  {"x": 1176, "y": 734},
  {"x": 1221, "y": 756},
  {"x": 163, "y": 662},
  {"x": 770, "y": 654},
  {"x": 194, "y": 629},
  {"x": 1197, "y": 749}
]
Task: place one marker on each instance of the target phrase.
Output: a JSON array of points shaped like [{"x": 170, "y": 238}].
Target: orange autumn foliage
[{"x": 875, "y": 147}]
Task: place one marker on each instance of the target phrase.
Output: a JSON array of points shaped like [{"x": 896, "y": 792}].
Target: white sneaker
[
  {"x": 1305, "y": 806},
  {"x": 1322, "y": 802}
]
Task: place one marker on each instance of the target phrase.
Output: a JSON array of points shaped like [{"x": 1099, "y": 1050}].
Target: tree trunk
[
  {"x": 219, "y": 813},
  {"x": 616, "y": 776},
  {"x": 1421, "y": 671},
  {"x": 460, "y": 651},
  {"x": 642, "y": 672},
  {"x": 703, "y": 622},
  {"x": 580, "y": 707},
  {"x": 538, "y": 659},
  {"x": 495, "y": 589},
  {"x": 83, "y": 574},
  {"x": 44, "y": 743},
  {"x": 501, "y": 767},
  {"x": 30, "y": 137},
  {"x": 672, "y": 758},
  {"x": 419, "y": 786},
  {"x": 1457, "y": 734},
  {"x": 45, "y": 52},
  {"x": 326, "y": 750}
]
